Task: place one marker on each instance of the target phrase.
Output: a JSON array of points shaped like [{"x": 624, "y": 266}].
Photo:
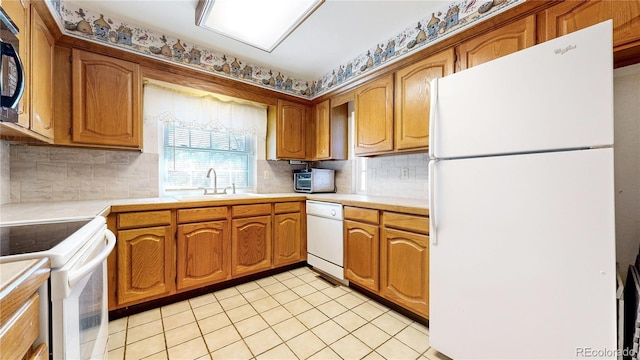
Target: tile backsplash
[
  {"x": 48, "y": 173},
  {"x": 51, "y": 173},
  {"x": 280, "y": 178},
  {"x": 384, "y": 176},
  {"x": 5, "y": 173}
]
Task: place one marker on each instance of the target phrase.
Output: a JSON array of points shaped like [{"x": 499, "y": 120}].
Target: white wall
[{"x": 627, "y": 163}]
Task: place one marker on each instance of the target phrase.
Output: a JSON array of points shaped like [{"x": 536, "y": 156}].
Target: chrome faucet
[
  {"x": 215, "y": 181},
  {"x": 230, "y": 187}
]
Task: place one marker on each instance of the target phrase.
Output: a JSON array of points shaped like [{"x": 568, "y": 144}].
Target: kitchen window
[
  {"x": 190, "y": 152},
  {"x": 197, "y": 131}
]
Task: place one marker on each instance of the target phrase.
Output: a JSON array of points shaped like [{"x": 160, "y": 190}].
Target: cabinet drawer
[
  {"x": 202, "y": 214},
  {"x": 287, "y": 207},
  {"x": 250, "y": 210},
  {"x": 19, "y": 333},
  {"x": 40, "y": 353},
  {"x": 360, "y": 214},
  {"x": 419, "y": 224},
  {"x": 144, "y": 219}
]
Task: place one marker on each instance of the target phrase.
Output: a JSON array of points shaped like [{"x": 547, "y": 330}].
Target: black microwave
[{"x": 11, "y": 69}]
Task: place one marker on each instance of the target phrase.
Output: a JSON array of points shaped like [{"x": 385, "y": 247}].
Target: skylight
[{"x": 263, "y": 24}]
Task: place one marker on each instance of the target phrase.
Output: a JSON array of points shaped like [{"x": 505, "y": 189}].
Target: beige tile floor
[{"x": 291, "y": 315}]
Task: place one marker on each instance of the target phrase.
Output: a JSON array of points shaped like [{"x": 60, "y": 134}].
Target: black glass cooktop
[{"x": 23, "y": 239}]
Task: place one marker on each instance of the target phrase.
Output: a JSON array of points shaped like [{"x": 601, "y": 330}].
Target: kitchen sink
[{"x": 216, "y": 197}]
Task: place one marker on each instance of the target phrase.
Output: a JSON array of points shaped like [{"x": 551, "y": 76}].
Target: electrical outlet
[
  {"x": 405, "y": 173},
  {"x": 266, "y": 174}
]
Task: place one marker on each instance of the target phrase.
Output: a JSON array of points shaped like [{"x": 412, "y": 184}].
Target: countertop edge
[{"x": 26, "y": 212}]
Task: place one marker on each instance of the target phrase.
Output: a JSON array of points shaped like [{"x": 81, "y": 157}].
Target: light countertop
[{"x": 62, "y": 210}]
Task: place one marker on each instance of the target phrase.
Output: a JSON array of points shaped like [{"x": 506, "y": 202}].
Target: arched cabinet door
[
  {"x": 250, "y": 245},
  {"x": 567, "y": 17},
  {"x": 361, "y": 244},
  {"x": 290, "y": 128},
  {"x": 503, "y": 41},
  {"x": 145, "y": 263},
  {"x": 42, "y": 86},
  {"x": 404, "y": 269},
  {"x": 413, "y": 100},
  {"x": 107, "y": 105},
  {"x": 203, "y": 254},
  {"x": 374, "y": 116}
]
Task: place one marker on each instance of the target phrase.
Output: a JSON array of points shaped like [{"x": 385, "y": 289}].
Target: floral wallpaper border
[{"x": 102, "y": 28}]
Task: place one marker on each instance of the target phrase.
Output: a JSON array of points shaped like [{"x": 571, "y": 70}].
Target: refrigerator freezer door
[
  {"x": 556, "y": 95},
  {"x": 524, "y": 265}
]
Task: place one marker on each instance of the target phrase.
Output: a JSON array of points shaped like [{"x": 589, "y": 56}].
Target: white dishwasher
[{"x": 325, "y": 238}]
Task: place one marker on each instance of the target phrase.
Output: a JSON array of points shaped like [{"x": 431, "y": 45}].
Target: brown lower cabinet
[
  {"x": 388, "y": 254},
  {"x": 203, "y": 247},
  {"x": 160, "y": 253},
  {"x": 251, "y": 245},
  {"x": 361, "y": 253},
  {"x": 289, "y": 245},
  {"x": 144, "y": 263},
  {"x": 203, "y": 253},
  {"x": 404, "y": 269}
]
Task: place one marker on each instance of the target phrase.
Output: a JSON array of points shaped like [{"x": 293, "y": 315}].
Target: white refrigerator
[{"x": 522, "y": 254}]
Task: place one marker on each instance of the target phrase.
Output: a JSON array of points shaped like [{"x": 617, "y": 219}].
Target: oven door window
[
  {"x": 91, "y": 306},
  {"x": 79, "y": 306}
]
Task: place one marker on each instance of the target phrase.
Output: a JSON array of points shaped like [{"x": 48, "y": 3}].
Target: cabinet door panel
[
  {"x": 569, "y": 16},
  {"x": 42, "y": 53},
  {"x": 290, "y": 136},
  {"x": 322, "y": 131},
  {"x": 145, "y": 263},
  {"x": 251, "y": 245},
  {"x": 374, "y": 116},
  {"x": 500, "y": 42},
  {"x": 203, "y": 253},
  {"x": 413, "y": 102},
  {"x": 106, "y": 100},
  {"x": 361, "y": 257},
  {"x": 404, "y": 270},
  {"x": 286, "y": 239}
]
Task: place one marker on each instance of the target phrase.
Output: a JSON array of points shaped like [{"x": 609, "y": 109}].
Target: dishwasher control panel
[{"x": 324, "y": 209}]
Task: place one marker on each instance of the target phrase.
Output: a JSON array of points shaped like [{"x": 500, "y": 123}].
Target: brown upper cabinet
[
  {"x": 374, "y": 117},
  {"x": 412, "y": 100},
  {"x": 330, "y": 132},
  {"x": 503, "y": 41},
  {"x": 392, "y": 112},
  {"x": 290, "y": 130},
  {"x": 569, "y": 16},
  {"x": 107, "y": 101},
  {"x": 42, "y": 87}
]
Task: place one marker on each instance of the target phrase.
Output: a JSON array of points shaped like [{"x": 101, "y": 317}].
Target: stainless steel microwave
[
  {"x": 11, "y": 69},
  {"x": 314, "y": 180}
]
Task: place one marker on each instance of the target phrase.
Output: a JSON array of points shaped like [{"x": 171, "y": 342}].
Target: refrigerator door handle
[
  {"x": 432, "y": 116},
  {"x": 432, "y": 201}
]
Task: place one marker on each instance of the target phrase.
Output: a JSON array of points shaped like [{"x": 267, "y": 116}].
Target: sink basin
[{"x": 215, "y": 197}]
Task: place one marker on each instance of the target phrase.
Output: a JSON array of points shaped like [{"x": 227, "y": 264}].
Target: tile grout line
[{"x": 301, "y": 277}]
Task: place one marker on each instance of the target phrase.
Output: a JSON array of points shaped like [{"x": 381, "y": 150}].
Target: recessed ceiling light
[{"x": 260, "y": 23}]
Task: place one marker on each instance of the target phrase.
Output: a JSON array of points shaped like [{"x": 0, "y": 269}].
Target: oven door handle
[{"x": 88, "y": 268}]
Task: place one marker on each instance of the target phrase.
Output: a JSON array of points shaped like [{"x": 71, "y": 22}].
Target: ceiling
[{"x": 338, "y": 31}]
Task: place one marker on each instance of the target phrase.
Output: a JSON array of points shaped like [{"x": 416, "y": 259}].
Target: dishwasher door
[{"x": 325, "y": 244}]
